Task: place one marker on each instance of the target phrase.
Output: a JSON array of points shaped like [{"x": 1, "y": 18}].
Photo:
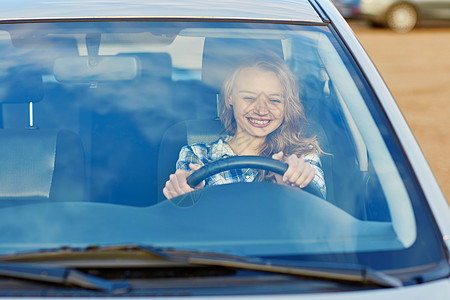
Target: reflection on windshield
[{"x": 93, "y": 122}]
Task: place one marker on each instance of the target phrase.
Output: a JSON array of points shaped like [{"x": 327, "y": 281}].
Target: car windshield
[{"x": 93, "y": 116}]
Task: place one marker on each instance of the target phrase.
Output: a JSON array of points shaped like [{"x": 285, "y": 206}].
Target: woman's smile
[{"x": 260, "y": 123}]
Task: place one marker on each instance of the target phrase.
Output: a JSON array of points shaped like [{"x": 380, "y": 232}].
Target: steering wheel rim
[{"x": 241, "y": 162}]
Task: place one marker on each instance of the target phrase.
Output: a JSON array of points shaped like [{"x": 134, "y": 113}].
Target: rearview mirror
[{"x": 101, "y": 69}]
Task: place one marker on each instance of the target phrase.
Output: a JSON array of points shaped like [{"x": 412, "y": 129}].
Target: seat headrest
[
  {"x": 18, "y": 85},
  {"x": 222, "y": 55},
  {"x": 26, "y": 58}
]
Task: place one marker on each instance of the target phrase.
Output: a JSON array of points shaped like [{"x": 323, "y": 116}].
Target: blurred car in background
[
  {"x": 403, "y": 16},
  {"x": 348, "y": 8}
]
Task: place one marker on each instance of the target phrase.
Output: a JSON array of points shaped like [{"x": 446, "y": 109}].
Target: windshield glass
[{"x": 94, "y": 115}]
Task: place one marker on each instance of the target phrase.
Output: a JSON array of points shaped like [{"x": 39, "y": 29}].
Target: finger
[
  {"x": 171, "y": 187},
  {"x": 167, "y": 193},
  {"x": 183, "y": 186},
  {"x": 279, "y": 179},
  {"x": 200, "y": 185},
  {"x": 309, "y": 179},
  {"x": 306, "y": 177},
  {"x": 294, "y": 170},
  {"x": 278, "y": 156},
  {"x": 194, "y": 167},
  {"x": 178, "y": 182}
]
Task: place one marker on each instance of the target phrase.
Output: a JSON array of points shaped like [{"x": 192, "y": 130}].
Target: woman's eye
[
  {"x": 275, "y": 100},
  {"x": 249, "y": 98}
]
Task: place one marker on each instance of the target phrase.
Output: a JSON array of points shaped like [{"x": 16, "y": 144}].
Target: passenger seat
[{"x": 36, "y": 164}]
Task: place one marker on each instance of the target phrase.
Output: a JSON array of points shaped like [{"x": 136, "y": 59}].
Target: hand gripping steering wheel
[{"x": 241, "y": 162}]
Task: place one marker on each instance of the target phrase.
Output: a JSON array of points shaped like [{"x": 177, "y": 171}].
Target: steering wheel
[{"x": 241, "y": 162}]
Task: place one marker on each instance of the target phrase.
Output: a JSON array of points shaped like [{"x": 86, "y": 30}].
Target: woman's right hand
[{"x": 177, "y": 183}]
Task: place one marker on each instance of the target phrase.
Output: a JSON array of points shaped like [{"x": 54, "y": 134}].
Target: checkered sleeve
[
  {"x": 319, "y": 178},
  {"x": 187, "y": 156}
]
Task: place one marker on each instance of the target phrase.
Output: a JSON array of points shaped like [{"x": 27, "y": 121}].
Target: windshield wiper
[
  {"x": 64, "y": 276},
  {"x": 327, "y": 271}
]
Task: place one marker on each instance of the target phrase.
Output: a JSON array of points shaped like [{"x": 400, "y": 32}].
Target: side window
[{"x": 377, "y": 173}]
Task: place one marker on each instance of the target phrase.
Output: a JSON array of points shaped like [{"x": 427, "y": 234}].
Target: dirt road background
[{"x": 416, "y": 68}]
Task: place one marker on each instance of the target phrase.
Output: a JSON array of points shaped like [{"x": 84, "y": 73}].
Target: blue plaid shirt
[{"x": 203, "y": 154}]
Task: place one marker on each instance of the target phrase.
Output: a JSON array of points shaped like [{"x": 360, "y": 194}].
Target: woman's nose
[{"x": 261, "y": 105}]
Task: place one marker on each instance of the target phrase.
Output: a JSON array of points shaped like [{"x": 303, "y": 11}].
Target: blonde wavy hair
[{"x": 290, "y": 137}]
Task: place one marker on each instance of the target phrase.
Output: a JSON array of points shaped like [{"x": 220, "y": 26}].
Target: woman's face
[{"x": 258, "y": 102}]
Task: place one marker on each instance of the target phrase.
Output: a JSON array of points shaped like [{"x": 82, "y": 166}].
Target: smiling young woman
[{"x": 263, "y": 116}]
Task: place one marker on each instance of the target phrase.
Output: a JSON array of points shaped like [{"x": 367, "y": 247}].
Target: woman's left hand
[{"x": 299, "y": 173}]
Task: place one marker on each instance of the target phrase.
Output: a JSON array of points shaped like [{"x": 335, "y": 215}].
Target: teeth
[{"x": 259, "y": 122}]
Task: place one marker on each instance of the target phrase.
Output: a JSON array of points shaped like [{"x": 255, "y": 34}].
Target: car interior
[{"x": 118, "y": 141}]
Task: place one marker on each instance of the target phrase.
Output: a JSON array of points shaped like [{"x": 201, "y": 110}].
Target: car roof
[{"x": 279, "y": 10}]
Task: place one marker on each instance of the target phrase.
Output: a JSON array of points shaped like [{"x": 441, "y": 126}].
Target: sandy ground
[{"x": 416, "y": 68}]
